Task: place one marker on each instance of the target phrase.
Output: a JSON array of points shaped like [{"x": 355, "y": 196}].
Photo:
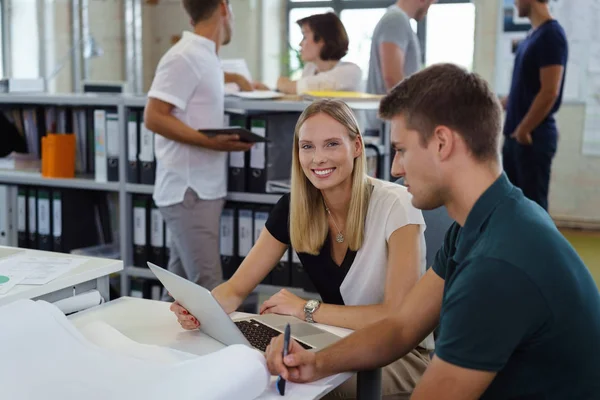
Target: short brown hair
[
  {"x": 446, "y": 94},
  {"x": 330, "y": 29},
  {"x": 200, "y": 10}
]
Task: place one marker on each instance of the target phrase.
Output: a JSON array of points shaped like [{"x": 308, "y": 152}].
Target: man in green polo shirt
[{"x": 518, "y": 312}]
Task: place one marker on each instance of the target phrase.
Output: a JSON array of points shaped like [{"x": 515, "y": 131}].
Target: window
[
  {"x": 450, "y": 34},
  {"x": 359, "y": 24},
  {"x": 446, "y": 35}
]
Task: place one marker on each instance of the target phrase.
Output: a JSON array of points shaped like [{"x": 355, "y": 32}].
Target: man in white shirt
[
  {"x": 186, "y": 96},
  {"x": 395, "y": 49}
]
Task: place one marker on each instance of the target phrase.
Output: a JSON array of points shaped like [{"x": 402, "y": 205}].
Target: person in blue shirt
[
  {"x": 535, "y": 96},
  {"x": 518, "y": 311}
]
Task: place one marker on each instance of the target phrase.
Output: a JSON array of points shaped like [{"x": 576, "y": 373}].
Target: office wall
[
  {"x": 575, "y": 183},
  {"x": 107, "y": 27},
  {"x": 164, "y": 21}
]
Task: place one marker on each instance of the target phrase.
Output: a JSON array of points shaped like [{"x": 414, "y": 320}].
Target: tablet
[{"x": 244, "y": 134}]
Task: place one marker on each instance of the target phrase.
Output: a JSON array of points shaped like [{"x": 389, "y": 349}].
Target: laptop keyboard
[{"x": 259, "y": 335}]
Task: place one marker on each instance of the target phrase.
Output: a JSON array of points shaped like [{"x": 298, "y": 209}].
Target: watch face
[{"x": 311, "y": 305}]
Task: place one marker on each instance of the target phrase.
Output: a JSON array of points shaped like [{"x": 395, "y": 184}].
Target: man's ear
[{"x": 444, "y": 141}]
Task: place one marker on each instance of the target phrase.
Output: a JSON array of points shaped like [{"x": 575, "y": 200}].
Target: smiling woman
[{"x": 359, "y": 239}]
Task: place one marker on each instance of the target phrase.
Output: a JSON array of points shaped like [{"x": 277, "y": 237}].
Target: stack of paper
[
  {"x": 38, "y": 270},
  {"x": 43, "y": 356}
]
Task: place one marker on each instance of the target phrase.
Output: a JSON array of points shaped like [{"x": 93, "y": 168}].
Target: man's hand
[
  {"x": 229, "y": 143},
  {"x": 244, "y": 84},
  {"x": 284, "y": 303},
  {"x": 522, "y": 137},
  {"x": 299, "y": 366}
]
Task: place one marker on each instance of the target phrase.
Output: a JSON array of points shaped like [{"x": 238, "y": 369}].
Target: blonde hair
[{"x": 308, "y": 218}]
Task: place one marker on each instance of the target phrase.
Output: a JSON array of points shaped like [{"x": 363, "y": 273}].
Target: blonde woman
[{"x": 359, "y": 239}]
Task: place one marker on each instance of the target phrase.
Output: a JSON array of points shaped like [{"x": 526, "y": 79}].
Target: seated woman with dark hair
[{"x": 324, "y": 44}]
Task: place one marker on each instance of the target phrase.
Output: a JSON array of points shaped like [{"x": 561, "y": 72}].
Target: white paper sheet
[
  {"x": 259, "y": 95},
  {"x": 295, "y": 391},
  {"x": 42, "y": 355},
  {"x": 8, "y": 281},
  {"x": 39, "y": 270}
]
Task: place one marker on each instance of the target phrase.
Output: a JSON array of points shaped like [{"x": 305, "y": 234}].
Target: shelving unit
[{"x": 126, "y": 190}]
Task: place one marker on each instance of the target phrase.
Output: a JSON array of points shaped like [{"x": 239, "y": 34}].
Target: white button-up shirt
[{"x": 190, "y": 77}]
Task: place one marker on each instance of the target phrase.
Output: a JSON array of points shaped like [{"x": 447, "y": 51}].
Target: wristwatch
[{"x": 309, "y": 308}]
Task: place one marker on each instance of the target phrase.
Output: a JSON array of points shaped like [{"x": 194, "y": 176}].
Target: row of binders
[
  {"x": 240, "y": 226},
  {"x": 252, "y": 171},
  {"x": 150, "y": 234},
  {"x": 57, "y": 219},
  {"x": 96, "y": 134}
]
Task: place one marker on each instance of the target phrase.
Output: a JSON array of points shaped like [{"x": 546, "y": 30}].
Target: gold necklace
[{"x": 339, "y": 237}]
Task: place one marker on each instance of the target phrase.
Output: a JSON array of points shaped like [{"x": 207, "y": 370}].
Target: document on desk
[
  {"x": 43, "y": 356},
  {"x": 9, "y": 281},
  {"x": 39, "y": 270}
]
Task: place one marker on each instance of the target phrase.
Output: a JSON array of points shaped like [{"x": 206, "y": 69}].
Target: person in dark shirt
[
  {"x": 535, "y": 96},
  {"x": 359, "y": 239},
  {"x": 518, "y": 311}
]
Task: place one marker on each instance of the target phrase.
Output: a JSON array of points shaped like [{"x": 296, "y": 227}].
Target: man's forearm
[
  {"x": 539, "y": 110},
  {"x": 351, "y": 317},
  {"x": 373, "y": 347},
  {"x": 172, "y": 128}
]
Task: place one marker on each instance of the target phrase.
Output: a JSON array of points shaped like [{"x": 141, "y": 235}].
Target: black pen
[{"x": 286, "y": 345}]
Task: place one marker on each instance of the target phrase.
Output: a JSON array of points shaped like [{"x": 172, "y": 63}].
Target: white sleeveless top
[{"x": 389, "y": 209}]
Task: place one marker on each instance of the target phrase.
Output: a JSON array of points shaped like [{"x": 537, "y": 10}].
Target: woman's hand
[
  {"x": 260, "y": 86},
  {"x": 284, "y": 303},
  {"x": 185, "y": 319},
  {"x": 286, "y": 85}
]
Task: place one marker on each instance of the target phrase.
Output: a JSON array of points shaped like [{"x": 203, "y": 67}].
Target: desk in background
[{"x": 94, "y": 274}]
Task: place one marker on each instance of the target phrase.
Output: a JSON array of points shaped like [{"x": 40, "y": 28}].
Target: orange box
[{"x": 58, "y": 155}]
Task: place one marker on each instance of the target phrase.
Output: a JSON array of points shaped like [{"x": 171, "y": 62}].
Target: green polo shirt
[{"x": 518, "y": 301}]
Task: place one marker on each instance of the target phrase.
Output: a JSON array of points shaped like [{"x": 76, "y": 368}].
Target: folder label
[
  {"x": 156, "y": 238},
  {"x": 236, "y": 159},
  {"x": 146, "y": 145},
  {"x": 245, "y": 232},
  {"x": 139, "y": 226},
  {"x": 226, "y": 237},
  {"x": 132, "y": 150},
  {"x": 21, "y": 213},
  {"x": 32, "y": 214},
  {"x": 112, "y": 135},
  {"x": 260, "y": 219},
  {"x": 57, "y": 217},
  {"x": 44, "y": 215},
  {"x": 257, "y": 153},
  {"x": 100, "y": 158}
]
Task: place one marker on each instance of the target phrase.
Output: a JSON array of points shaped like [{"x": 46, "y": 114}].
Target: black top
[
  {"x": 545, "y": 46},
  {"x": 518, "y": 301},
  {"x": 324, "y": 273}
]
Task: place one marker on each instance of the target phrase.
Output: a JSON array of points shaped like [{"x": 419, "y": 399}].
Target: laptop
[{"x": 256, "y": 331}]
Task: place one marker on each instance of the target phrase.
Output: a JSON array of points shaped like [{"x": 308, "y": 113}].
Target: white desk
[
  {"x": 151, "y": 322},
  {"x": 91, "y": 275}
]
